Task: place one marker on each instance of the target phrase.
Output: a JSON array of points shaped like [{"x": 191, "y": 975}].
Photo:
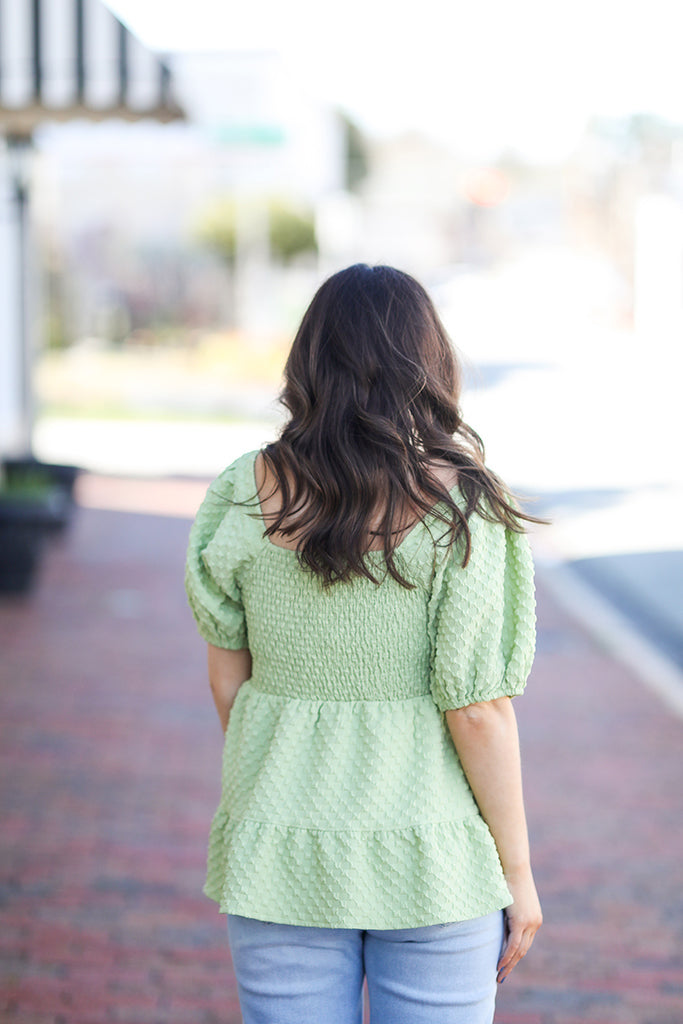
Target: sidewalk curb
[{"x": 612, "y": 630}]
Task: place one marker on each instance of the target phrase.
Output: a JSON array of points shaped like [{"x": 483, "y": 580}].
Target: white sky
[{"x": 480, "y": 75}]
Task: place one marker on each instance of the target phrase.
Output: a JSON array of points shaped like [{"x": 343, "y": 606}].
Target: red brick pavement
[{"x": 110, "y": 772}]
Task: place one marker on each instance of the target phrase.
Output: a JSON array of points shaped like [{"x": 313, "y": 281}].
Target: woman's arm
[
  {"x": 486, "y": 739},
  {"x": 227, "y": 671}
]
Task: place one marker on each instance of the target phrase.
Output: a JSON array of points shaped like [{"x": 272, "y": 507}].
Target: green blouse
[{"x": 344, "y": 803}]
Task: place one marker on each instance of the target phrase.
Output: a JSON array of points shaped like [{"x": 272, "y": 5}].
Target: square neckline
[{"x": 370, "y": 551}]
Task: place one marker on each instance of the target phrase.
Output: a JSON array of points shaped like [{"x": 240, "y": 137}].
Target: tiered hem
[{"x": 397, "y": 878}]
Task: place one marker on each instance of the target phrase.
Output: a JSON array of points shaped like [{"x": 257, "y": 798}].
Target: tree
[{"x": 291, "y": 229}]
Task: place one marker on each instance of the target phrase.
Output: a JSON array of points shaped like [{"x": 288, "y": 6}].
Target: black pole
[
  {"x": 36, "y": 51},
  {"x": 164, "y": 84},
  {"x": 123, "y": 64},
  {"x": 79, "y": 20}
]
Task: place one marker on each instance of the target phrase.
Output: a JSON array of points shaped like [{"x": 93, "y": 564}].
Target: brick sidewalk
[{"x": 110, "y": 760}]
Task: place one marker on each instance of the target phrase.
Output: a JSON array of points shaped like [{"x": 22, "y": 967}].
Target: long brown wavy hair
[{"x": 372, "y": 386}]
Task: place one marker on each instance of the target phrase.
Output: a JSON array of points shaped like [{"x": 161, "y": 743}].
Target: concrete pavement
[{"x": 110, "y": 760}]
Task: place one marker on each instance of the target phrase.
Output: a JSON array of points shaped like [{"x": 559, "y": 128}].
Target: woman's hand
[{"x": 523, "y": 919}]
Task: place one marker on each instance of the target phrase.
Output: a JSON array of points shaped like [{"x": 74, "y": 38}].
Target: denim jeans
[{"x": 294, "y": 974}]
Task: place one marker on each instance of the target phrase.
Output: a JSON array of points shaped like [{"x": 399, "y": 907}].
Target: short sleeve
[
  {"x": 214, "y": 596},
  {"x": 484, "y": 621}
]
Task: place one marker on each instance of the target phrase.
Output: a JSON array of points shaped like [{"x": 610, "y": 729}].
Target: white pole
[{"x": 14, "y": 415}]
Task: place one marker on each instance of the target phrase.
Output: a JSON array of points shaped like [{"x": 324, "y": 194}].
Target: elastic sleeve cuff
[
  {"x": 450, "y": 698},
  {"x": 219, "y": 636},
  {"x": 229, "y": 630}
]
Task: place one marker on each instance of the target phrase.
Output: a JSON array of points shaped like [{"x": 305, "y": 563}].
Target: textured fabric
[
  {"x": 343, "y": 801},
  {"x": 441, "y": 974}
]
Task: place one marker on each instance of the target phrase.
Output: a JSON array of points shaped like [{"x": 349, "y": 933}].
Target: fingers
[
  {"x": 523, "y": 918},
  {"x": 516, "y": 947}
]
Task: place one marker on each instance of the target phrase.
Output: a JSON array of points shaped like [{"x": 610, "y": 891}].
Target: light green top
[{"x": 343, "y": 802}]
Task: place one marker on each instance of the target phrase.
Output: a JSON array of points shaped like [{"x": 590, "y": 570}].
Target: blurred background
[
  {"x": 172, "y": 223},
  {"x": 175, "y": 181}
]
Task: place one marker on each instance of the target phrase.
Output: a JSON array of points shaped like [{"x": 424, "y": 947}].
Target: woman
[{"x": 366, "y": 590}]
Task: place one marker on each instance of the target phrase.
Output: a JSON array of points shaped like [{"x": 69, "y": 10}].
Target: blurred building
[
  {"x": 59, "y": 61},
  {"x": 120, "y": 207}
]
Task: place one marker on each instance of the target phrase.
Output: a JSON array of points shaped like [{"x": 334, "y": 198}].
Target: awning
[
  {"x": 60, "y": 60},
  {"x": 67, "y": 59}
]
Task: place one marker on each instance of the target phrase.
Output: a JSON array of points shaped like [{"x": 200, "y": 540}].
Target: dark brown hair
[{"x": 372, "y": 386}]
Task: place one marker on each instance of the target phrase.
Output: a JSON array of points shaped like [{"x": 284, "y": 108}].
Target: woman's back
[
  {"x": 336, "y": 747},
  {"x": 358, "y": 641}
]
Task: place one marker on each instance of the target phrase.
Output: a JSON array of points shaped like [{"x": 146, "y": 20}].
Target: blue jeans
[{"x": 293, "y": 974}]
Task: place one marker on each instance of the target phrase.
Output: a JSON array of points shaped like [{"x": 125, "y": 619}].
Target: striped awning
[{"x": 66, "y": 59}]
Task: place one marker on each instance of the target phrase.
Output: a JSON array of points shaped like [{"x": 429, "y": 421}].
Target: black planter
[
  {"x": 24, "y": 525},
  {"x": 60, "y": 480},
  {"x": 62, "y": 476}
]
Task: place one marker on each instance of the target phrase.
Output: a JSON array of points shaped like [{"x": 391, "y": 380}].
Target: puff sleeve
[
  {"x": 211, "y": 569},
  {"x": 483, "y": 622}
]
